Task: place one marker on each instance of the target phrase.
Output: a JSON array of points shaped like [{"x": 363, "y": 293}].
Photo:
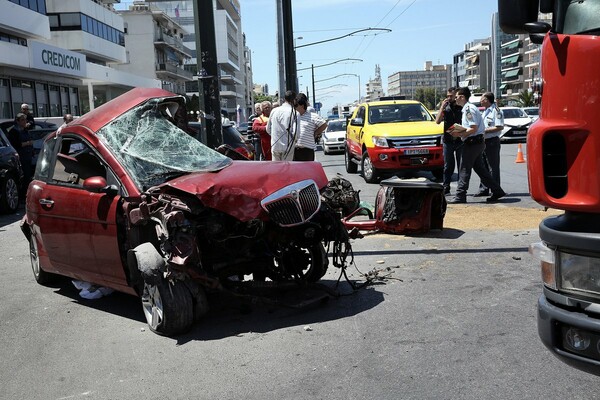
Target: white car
[
  {"x": 533, "y": 112},
  {"x": 516, "y": 123},
  {"x": 334, "y": 137}
]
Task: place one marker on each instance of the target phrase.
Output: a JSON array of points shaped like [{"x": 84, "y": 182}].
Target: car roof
[{"x": 386, "y": 102}]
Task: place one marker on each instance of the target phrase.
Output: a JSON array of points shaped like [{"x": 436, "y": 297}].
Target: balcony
[
  {"x": 172, "y": 42},
  {"x": 172, "y": 72}
]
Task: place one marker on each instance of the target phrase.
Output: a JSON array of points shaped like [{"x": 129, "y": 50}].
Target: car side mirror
[
  {"x": 357, "y": 122},
  {"x": 97, "y": 184}
]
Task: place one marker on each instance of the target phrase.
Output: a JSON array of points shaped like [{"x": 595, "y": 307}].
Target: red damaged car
[{"x": 125, "y": 199}]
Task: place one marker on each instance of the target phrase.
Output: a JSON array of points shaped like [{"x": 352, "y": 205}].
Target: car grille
[
  {"x": 294, "y": 204},
  {"x": 414, "y": 141}
]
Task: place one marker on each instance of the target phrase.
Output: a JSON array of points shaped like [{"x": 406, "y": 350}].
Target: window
[
  {"x": 76, "y": 162},
  {"x": 70, "y": 19}
]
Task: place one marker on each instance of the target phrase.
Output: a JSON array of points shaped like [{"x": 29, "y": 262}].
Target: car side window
[
  {"x": 42, "y": 169},
  {"x": 361, "y": 113},
  {"x": 75, "y": 162}
]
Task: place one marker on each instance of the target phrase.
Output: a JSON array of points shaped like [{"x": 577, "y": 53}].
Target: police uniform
[
  {"x": 452, "y": 145},
  {"x": 492, "y": 116},
  {"x": 473, "y": 146}
]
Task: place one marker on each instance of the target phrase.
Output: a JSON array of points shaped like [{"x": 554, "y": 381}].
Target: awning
[
  {"x": 511, "y": 74},
  {"x": 511, "y": 59},
  {"x": 512, "y": 45}
]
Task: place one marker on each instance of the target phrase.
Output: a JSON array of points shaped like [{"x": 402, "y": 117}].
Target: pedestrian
[
  {"x": 311, "y": 128},
  {"x": 471, "y": 133},
  {"x": 20, "y": 139},
  {"x": 283, "y": 128},
  {"x": 251, "y": 134},
  {"x": 225, "y": 121},
  {"x": 450, "y": 113},
  {"x": 66, "y": 119},
  {"x": 494, "y": 124},
  {"x": 30, "y": 121},
  {"x": 259, "y": 126}
]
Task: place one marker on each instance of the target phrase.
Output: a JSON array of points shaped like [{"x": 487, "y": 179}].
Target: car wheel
[
  {"x": 42, "y": 277},
  {"x": 308, "y": 263},
  {"x": 326, "y": 150},
  {"x": 168, "y": 307},
  {"x": 368, "y": 170},
  {"x": 351, "y": 167},
  {"x": 9, "y": 201},
  {"x": 438, "y": 174}
]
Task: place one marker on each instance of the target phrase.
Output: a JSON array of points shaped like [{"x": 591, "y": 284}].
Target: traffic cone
[{"x": 520, "y": 158}]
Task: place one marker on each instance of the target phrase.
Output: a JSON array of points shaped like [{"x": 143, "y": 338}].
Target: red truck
[{"x": 563, "y": 149}]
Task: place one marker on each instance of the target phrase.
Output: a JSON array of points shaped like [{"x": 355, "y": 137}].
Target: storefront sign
[{"x": 55, "y": 59}]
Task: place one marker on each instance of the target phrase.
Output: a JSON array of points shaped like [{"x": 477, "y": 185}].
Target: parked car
[
  {"x": 516, "y": 123},
  {"x": 388, "y": 136},
  {"x": 334, "y": 137},
  {"x": 38, "y": 134},
  {"x": 533, "y": 112},
  {"x": 125, "y": 199},
  {"x": 11, "y": 176},
  {"x": 232, "y": 139}
]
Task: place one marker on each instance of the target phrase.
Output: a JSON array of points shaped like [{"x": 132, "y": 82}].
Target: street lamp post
[
  {"x": 312, "y": 68},
  {"x": 337, "y": 76}
]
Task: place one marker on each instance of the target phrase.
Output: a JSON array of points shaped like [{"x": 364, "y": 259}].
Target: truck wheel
[
  {"x": 168, "y": 307},
  {"x": 351, "y": 166},
  {"x": 9, "y": 200},
  {"x": 42, "y": 277},
  {"x": 368, "y": 170}
]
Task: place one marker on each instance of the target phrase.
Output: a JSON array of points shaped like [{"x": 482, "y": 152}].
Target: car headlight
[
  {"x": 568, "y": 271},
  {"x": 380, "y": 141}
]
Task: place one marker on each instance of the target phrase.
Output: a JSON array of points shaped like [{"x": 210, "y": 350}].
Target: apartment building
[
  {"x": 56, "y": 56},
  {"x": 154, "y": 47},
  {"x": 472, "y": 67},
  {"x": 405, "y": 83},
  {"x": 232, "y": 55}
]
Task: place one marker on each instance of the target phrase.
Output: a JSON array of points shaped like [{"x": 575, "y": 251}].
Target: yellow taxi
[{"x": 388, "y": 136}]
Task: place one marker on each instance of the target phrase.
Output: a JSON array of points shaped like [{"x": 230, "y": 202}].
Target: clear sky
[{"x": 422, "y": 30}]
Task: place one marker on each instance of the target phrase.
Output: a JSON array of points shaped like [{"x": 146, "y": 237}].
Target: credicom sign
[{"x": 55, "y": 59}]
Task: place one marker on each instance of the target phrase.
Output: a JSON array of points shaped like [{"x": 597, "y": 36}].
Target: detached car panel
[{"x": 124, "y": 198}]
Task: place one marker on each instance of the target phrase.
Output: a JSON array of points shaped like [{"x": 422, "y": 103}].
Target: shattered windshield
[{"x": 153, "y": 149}]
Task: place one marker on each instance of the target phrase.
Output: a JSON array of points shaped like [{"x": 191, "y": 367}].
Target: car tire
[
  {"x": 42, "y": 277},
  {"x": 9, "y": 200},
  {"x": 319, "y": 263},
  {"x": 369, "y": 172},
  {"x": 351, "y": 166},
  {"x": 326, "y": 151},
  {"x": 307, "y": 263},
  {"x": 168, "y": 306}
]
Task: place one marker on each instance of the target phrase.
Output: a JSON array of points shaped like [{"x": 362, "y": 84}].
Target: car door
[
  {"x": 76, "y": 227},
  {"x": 355, "y": 131}
]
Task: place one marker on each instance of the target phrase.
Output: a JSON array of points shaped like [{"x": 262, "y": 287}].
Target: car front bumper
[{"x": 397, "y": 158}]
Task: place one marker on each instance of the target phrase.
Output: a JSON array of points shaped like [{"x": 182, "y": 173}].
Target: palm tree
[{"x": 525, "y": 99}]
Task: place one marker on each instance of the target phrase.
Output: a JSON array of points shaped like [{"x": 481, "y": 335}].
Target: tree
[
  {"x": 429, "y": 97},
  {"x": 259, "y": 97},
  {"x": 525, "y": 99}
]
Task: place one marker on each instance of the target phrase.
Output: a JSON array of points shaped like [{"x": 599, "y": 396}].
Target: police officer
[
  {"x": 471, "y": 134},
  {"x": 450, "y": 113},
  {"x": 494, "y": 124}
]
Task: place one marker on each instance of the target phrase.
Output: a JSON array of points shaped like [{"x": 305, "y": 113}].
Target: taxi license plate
[
  {"x": 519, "y": 132},
  {"x": 411, "y": 152}
]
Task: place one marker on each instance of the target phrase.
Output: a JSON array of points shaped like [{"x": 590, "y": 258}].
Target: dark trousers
[
  {"x": 491, "y": 160},
  {"x": 470, "y": 154},
  {"x": 452, "y": 155},
  {"x": 304, "y": 154}
]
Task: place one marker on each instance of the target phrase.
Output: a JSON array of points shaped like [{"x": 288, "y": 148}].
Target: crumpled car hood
[{"x": 238, "y": 189}]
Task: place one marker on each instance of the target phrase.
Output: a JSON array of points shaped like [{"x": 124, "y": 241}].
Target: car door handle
[{"x": 46, "y": 202}]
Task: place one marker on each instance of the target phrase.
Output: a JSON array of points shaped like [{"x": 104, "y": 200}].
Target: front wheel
[
  {"x": 168, "y": 307},
  {"x": 42, "y": 277},
  {"x": 351, "y": 166},
  {"x": 369, "y": 172},
  {"x": 307, "y": 263},
  {"x": 9, "y": 200}
]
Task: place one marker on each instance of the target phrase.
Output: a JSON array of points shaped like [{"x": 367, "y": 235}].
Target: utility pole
[
  {"x": 280, "y": 50},
  {"x": 208, "y": 81},
  {"x": 291, "y": 75}
]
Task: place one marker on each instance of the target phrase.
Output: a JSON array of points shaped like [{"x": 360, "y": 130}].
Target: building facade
[
  {"x": 374, "y": 86},
  {"x": 56, "y": 54},
  {"x": 151, "y": 35},
  {"x": 231, "y": 51},
  {"x": 406, "y": 83},
  {"x": 473, "y": 66}
]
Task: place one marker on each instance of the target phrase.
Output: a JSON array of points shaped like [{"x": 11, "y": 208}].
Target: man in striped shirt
[{"x": 311, "y": 128}]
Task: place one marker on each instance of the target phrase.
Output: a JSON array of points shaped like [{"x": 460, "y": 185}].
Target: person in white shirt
[
  {"x": 494, "y": 124},
  {"x": 283, "y": 128},
  {"x": 312, "y": 126}
]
